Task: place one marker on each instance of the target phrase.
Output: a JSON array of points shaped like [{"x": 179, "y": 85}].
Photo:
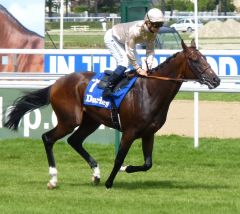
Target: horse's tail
[{"x": 24, "y": 104}]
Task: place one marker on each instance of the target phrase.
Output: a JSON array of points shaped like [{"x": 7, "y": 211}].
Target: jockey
[{"x": 122, "y": 39}]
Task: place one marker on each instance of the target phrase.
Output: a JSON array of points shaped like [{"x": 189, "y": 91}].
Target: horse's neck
[
  {"x": 167, "y": 89},
  {"x": 173, "y": 68}
]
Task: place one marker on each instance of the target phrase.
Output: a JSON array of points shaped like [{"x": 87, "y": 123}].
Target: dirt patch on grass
[{"x": 216, "y": 119}]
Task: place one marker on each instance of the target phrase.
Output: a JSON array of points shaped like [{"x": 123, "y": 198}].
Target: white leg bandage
[
  {"x": 123, "y": 168},
  {"x": 53, "y": 176},
  {"x": 96, "y": 172}
]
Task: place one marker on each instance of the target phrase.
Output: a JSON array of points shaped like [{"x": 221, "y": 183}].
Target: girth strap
[{"x": 115, "y": 116}]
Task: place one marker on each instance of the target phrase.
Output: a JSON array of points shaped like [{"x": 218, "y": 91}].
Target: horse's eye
[{"x": 194, "y": 57}]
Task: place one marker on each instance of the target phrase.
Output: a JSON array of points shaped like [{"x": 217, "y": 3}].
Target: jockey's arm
[
  {"x": 150, "y": 53},
  {"x": 130, "y": 46}
]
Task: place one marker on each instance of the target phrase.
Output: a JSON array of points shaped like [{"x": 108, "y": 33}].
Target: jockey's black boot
[{"x": 115, "y": 77}]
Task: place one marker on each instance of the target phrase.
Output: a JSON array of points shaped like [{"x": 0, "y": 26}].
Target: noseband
[{"x": 194, "y": 64}]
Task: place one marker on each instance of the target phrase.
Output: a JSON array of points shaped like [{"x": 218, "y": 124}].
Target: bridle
[{"x": 191, "y": 63}]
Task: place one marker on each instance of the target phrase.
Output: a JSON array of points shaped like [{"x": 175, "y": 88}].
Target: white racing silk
[{"x": 126, "y": 36}]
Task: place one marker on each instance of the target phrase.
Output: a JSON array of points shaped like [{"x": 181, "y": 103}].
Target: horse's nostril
[{"x": 217, "y": 80}]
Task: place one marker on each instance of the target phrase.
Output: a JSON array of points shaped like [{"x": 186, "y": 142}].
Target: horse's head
[{"x": 199, "y": 67}]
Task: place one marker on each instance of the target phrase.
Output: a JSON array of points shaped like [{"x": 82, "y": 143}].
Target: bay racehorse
[
  {"x": 14, "y": 35},
  {"x": 142, "y": 112}
]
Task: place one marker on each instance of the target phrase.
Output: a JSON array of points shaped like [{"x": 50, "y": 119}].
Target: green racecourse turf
[
  {"x": 210, "y": 96},
  {"x": 77, "y": 42},
  {"x": 182, "y": 179}
]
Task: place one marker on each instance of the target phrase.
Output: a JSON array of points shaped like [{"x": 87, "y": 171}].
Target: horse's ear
[
  {"x": 184, "y": 46},
  {"x": 193, "y": 44}
]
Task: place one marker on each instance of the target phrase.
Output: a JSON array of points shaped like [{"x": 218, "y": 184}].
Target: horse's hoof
[
  {"x": 108, "y": 185},
  {"x": 51, "y": 186},
  {"x": 95, "y": 180}
]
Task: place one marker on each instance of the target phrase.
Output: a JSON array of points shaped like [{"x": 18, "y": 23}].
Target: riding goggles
[{"x": 156, "y": 24}]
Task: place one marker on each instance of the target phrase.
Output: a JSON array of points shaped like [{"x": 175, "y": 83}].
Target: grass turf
[{"x": 182, "y": 179}]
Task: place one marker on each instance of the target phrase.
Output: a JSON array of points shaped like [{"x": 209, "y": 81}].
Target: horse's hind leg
[
  {"x": 87, "y": 127},
  {"x": 49, "y": 138}
]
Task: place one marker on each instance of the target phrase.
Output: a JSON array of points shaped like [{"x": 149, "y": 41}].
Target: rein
[
  {"x": 164, "y": 78},
  {"x": 172, "y": 79}
]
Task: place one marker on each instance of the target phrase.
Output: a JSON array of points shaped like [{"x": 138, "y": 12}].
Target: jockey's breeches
[{"x": 117, "y": 49}]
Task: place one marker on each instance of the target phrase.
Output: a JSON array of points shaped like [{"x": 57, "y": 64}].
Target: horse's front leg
[
  {"x": 125, "y": 144},
  {"x": 147, "y": 147}
]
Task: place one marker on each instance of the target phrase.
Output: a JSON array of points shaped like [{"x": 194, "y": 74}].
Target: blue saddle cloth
[{"x": 93, "y": 94}]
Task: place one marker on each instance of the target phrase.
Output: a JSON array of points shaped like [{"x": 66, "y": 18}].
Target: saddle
[
  {"x": 123, "y": 82},
  {"x": 94, "y": 90}
]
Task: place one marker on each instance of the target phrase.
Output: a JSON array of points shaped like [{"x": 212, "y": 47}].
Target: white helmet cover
[{"x": 154, "y": 15}]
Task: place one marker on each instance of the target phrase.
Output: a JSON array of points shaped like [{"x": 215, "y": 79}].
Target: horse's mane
[
  {"x": 161, "y": 65},
  {"x": 14, "y": 20}
]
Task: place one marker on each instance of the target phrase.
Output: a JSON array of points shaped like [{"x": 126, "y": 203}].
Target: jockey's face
[{"x": 154, "y": 26}]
